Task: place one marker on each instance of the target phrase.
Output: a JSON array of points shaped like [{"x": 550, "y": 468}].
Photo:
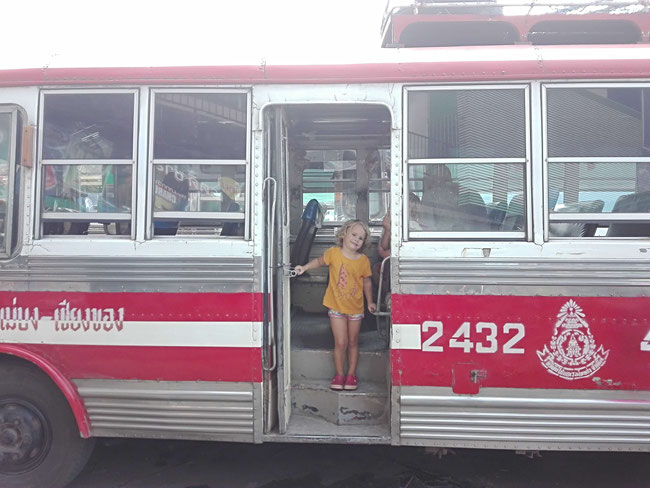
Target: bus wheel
[{"x": 40, "y": 445}]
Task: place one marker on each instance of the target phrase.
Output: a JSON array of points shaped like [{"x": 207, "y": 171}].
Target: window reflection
[
  {"x": 466, "y": 124},
  {"x": 199, "y": 188},
  {"x": 200, "y": 126},
  {"x": 598, "y": 122},
  {"x": 88, "y": 126},
  {"x": 91, "y": 188}
]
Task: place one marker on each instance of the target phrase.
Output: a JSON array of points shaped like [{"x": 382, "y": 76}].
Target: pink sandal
[
  {"x": 350, "y": 382},
  {"x": 338, "y": 382}
]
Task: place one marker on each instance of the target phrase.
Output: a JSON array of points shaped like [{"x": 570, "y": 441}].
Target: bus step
[{"x": 368, "y": 405}]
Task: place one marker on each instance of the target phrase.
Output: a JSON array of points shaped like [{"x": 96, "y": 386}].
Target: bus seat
[
  {"x": 311, "y": 221},
  {"x": 514, "y": 220},
  {"x": 576, "y": 229},
  {"x": 472, "y": 212},
  {"x": 631, "y": 203},
  {"x": 439, "y": 207},
  {"x": 496, "y": 212}
]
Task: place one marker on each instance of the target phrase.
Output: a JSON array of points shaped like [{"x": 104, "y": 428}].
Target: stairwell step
[
  {"x": 368, "y": 405},
  {"x": 318, "y": 365}
]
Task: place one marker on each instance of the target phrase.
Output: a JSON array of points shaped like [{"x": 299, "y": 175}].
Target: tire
[{"x": 40, "y": 445}]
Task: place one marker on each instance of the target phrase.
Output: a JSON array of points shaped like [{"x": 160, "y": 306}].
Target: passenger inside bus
[{"x": 448, "y": 206}]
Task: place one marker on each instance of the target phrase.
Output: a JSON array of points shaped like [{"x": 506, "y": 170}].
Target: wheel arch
[{"x": 9, "y": 351}]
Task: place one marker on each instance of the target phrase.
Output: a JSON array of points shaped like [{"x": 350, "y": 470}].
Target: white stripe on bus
[{"x": 136, "y": 333}]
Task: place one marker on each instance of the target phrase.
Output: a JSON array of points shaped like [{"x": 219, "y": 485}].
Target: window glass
[
  {"x": 88, "y": 126},
  {"x": 77, "y": 198},
  {"x": 199, "y": 188},
  {"x": 5, "y": 160},
  {"x": 330, "y": 177},
  {"x": 87, "y": 188},
  {"x": 594, "y": 123},
  {"x": 466, "y": 124},
  {"x": 598, "y": 122},
  {"x": 200, "y": 126},
  {"x": 378, "y": 167},
  {"x": 599, "y": 188},
  {"x": 575, "y": 187},
  {"x": 467, "y": 197}
]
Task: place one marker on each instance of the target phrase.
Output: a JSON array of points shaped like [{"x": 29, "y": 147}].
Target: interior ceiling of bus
[{"x": 338, "y": 126}]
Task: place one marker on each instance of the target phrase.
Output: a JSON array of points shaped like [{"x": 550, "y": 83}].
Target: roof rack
[{"x": 432, "y": 23}]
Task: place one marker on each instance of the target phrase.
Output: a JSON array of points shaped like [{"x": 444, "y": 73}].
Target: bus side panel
[
  {"x": 146, "y": 364},
  {"x": 521, "y": 372},
  {"x": 523, "y": 342}
]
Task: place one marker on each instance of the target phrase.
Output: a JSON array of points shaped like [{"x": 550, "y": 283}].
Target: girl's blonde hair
[{"x": 347, "y": 226}]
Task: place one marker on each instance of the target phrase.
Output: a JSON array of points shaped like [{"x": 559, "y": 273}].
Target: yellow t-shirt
[{"x": 345, "y": 290}]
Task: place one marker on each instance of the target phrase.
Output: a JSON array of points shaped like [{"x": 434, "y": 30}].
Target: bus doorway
[{"x": 330, "y": 163}]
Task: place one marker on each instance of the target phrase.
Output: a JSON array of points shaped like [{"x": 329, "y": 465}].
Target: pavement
[{"x": 184, "y": 464}]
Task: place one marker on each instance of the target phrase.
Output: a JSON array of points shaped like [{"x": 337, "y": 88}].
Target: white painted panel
[
  {"x": 133, "y": 333},
  {"x": 406, "y": 336}
]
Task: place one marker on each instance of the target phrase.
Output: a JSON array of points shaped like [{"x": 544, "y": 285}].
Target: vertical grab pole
[
  {"x": 384, "y": 333},
  {"x": 379, "y": 313},
  {"x": 270, "y": 187}
]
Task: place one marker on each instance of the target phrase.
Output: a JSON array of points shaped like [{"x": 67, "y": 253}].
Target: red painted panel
[
  {"x": 154, "y": 363},
  {"x": 599, "y": 342},
  {"x": 433, "y": 64},
  {"x": 196, "y": 307},
  {"x": 167, "y": 363}
]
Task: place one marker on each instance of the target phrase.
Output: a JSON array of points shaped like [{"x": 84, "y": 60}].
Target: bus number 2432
[{"x": 484, "y": 337}]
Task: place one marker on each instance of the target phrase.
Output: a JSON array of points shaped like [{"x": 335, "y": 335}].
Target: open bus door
[{"x": 277, "y": 247}]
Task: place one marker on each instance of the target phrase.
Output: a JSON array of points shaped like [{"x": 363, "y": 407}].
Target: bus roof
[{"x": 497, "y": 63}]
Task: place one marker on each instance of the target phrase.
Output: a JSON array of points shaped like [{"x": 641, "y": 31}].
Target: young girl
[{"x": 349, "y": 280}]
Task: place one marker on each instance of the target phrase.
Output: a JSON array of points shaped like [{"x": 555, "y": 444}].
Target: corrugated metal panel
[
  {"x": 239, "y": 270},
  {"x": 603, "y": 273},
  {"x": 525, "y": 419},
  {"x": 115, "y": 273},
  {"x": 174, "y": 410}
]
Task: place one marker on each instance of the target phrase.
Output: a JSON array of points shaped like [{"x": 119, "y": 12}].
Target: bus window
[
  {"x": 86, "y": 162},
  {"x": 466, "y": 156},
  {"x": 199, "y": 163},
  {"x": 10, "y": 134},
  {"x": 598, "y": 151},
  {"x": 330, "y": 177},
  {"x": 5, "y": 165}
]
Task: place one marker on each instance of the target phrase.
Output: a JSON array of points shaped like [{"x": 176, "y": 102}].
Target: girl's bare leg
[
  {"x": 340, "y": 332},
  {"x": 354, "y": 326}
]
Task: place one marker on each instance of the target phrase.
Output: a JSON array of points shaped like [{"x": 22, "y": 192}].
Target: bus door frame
[{"x": 277, "y": 253}]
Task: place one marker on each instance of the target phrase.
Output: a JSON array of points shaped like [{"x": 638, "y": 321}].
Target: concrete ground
[{"x": 185, "y": 464}]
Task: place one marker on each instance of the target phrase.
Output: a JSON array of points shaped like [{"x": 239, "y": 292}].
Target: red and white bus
[{"x": 151, "y": 217}]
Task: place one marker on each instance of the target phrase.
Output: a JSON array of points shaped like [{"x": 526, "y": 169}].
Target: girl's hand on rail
[
  {"x": 299, "y": 270},
  {"x": 372, "y": 307}
]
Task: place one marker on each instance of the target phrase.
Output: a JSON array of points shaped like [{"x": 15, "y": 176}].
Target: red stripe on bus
[
  {"x": 236, "y": 364},
  {"x": 524, "y": 342}
]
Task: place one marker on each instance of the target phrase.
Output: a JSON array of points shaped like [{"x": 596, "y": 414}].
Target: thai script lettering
[
  {"x": 65, "y": 317},
  {"x": 75, "y": 319},
  {"x": 18, "y": 318}
]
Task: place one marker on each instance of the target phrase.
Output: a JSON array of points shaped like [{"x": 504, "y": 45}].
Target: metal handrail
[
  {"x": 273, "y": 190},
  {"x": 378, "y": 312}
]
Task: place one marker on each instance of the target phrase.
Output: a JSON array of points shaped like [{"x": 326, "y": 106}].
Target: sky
[
  {"x": 64, "y": 33},
  {"x": 74, "y": 33}
]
